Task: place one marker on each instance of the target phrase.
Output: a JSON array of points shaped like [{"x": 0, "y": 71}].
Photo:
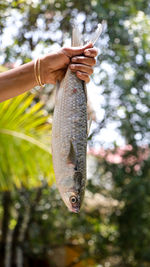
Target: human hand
[{"x": 80, "y": 60}]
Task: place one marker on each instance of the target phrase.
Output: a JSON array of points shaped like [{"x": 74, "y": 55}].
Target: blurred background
[{"x": 113, "y": 227}]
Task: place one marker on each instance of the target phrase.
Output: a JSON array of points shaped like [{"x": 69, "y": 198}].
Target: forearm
[{"x": 16, "y": 81}]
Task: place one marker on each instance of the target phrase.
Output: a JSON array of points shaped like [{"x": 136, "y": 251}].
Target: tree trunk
[
  {"x": 15, "y": 240},
  {"x": 19, "y": 249},
  {"x": 6, "y": 204},
  {"x": 31, "y": 215},
  {"x": 21, "y": 230}
]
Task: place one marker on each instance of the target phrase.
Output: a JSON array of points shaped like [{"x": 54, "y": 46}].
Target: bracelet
[{"x": 37, "y": 72}]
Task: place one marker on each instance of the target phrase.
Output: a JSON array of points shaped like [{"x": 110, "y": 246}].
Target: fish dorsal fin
[
  {"x": 76, "y": 36},
  {"x": 89, "y": 125}
]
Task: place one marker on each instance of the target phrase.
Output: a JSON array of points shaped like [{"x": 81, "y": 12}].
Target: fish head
[{"x": 73, "y": 191}]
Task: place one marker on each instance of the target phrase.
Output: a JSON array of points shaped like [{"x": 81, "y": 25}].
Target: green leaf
[{"x": 25, "y": 140}]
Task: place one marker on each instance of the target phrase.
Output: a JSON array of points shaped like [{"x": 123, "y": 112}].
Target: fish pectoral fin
[{"x": 72, "y": 159}]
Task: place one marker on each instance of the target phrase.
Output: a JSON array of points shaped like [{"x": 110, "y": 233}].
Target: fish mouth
[
  {"x": 75, "y": 210},
  {"x": 75, "y": 207}
]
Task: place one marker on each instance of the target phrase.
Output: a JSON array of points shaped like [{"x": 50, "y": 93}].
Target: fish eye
[{"x": 73, "y": 199}]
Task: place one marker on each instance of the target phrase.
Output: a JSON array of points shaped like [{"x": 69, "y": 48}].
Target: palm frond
[{"x": 25, "y": 141}]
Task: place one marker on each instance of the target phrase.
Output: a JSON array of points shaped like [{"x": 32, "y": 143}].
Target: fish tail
[
  {"x": 100, "y": 28},
  {"x": 76, "y": 36}
]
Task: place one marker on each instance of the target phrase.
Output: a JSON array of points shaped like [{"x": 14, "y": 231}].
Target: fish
[{"x": 69, "y": 133}]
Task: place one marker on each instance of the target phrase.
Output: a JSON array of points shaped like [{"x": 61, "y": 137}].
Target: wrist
[{"x": 38, "y": 73}]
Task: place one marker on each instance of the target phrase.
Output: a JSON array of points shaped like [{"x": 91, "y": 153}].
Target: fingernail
[
  {"x": 73, "y": 59},
  {"x": 87, "y": 53},
  {"x": 72, "y": 66}
]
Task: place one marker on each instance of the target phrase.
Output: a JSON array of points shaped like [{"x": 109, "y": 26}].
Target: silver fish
[{"x": 69, "y": 134}]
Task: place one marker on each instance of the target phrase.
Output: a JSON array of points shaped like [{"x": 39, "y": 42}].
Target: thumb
[{"x": 75, "y": 51}]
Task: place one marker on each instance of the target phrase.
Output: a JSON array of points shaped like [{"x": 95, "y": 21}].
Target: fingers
[
  {"x": 84, "y": 60},
  {"x": 82, "y": 71},
  {"x": 91, "y": 52},
  {"x": 82, "y": 68},
  {"x": 82, "y": 65},
  {"x": 75, "y": 51},
  {"x": 83, "y": 76}
]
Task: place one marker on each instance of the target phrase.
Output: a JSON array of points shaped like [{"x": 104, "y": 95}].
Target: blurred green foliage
[
  {"x": 35, "y": 221},
  {"x": 24, "y": 132}
]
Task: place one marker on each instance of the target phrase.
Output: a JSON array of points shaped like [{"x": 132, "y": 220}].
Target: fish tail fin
[
  {"x": 76, "y": 36},
  {"x": 100, "y": 29},
  {"x": 77, "y": 39}
]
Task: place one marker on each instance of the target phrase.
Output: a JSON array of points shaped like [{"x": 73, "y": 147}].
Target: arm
[
  {"x": 53, "y": 67},
  {"x": 17, "y": 81}
]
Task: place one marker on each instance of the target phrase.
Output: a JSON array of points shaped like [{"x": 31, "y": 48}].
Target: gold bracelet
[{"x": 37, "y": 72}]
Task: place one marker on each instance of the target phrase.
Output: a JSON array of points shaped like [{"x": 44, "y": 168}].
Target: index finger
[{"x": 76, "y": 51}]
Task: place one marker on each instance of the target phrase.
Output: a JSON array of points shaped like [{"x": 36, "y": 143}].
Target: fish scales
[
  {"x": 69, "y": 136},
  {"x": 71, "y": 117}
]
